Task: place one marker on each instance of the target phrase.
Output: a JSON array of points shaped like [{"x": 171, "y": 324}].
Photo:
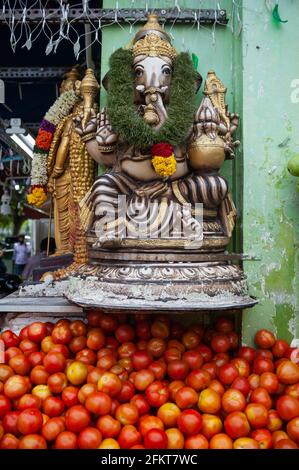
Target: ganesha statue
[{"x": 159, "y": 218}]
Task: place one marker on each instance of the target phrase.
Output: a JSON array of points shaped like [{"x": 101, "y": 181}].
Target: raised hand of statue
[
  {"x": 89, "y": 129},
  {"x": 105, "y": 135}
]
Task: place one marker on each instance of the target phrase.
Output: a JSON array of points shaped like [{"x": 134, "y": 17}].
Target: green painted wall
[
  {"x": 270, "y": 138},
  {"x": 258, "y": 68}
]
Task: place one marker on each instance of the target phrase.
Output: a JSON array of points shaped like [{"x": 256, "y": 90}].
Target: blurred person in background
[
  {"x": 34, "y": 261},
  {"x": 20, "y": 255},
  {"x": 3, "y": 268}
]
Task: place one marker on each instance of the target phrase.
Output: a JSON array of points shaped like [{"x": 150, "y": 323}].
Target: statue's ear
[
  {"x": 198, "y": 82},
  {"x": 105, "y": 81}
]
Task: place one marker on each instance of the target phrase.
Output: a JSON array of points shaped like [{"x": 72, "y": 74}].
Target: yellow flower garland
[
  {"x": 37, "y": 197},
  {"x": 164, "y": 166}
]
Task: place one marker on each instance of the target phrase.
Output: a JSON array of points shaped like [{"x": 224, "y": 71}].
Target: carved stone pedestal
[{"x": 185, "y": 280}]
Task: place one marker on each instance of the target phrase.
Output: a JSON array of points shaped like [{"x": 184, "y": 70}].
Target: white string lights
[{"x": 24, "y": 32}]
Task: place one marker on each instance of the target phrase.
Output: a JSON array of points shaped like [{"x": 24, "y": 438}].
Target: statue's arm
[
  {"x": 62, "y": 151},
  {"x": 99, "y": 138}
]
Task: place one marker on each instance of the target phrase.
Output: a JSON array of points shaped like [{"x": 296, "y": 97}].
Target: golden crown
[{"x": 151, "y": 40}]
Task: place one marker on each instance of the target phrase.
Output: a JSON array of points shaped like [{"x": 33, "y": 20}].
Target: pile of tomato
[{"x": 139, "y": 382}]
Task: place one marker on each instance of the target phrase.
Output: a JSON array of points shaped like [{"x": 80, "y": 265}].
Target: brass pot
[{"x": 206, "y": 153}]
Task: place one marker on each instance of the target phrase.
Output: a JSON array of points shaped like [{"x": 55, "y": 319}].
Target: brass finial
[
  {"x": 151, "y": 26},
  {"x": 89, "y": 89}
]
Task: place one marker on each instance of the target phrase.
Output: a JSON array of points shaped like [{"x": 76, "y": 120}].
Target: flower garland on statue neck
[
  {"x": 39, "y": 177},
  {"x": 133, "y": 129}
]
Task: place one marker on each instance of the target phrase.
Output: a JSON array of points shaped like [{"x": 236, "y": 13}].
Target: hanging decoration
[
  {"x": 276, "y": 15},
  {"x": 39, "y": 177}
]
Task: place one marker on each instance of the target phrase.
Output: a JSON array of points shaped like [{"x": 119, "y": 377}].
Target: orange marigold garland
[{"x": 163, "y": 159}]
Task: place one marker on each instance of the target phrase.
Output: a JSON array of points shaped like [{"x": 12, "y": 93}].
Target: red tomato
[
  {"x": 177, "y": 370},
  {"x": 143, "y": 379},
  {"x": 247, "y": 353},
  {"x": 257, "y": 415},
  {"x": 274, "y": 421},
  {"x": 156, "y": 347},
  {"x": 193, "y": 358},
  {"x": 20, "y": 364},
  {"x": 32, "y": 441},
  {"x": 141, "y": 404},
  {"x": 94, "y": 317},
  {"x": 242, "y": 365},
  {"x": 174, "y": 343},
  {"x": 263, "y": 438},
  {"x": 29, "y": 401},
  {"x": 109, "y": 383},
  {"x": 30, "y": 421},
  {"x": 39, "y": 375},
  {"x": 128, "y": 437},
  {"x": 66, "y": 440},
  {"x": 11, "y": 352},
  {"x": 124, "y": 333},
  {"x": 205, "y": 351},
  {"x": 190, "y": 339},
  {"x": 176, "y": 330},
  {"x": 211, "y": 368},
  {"x": 220, "y": 343},
  {"x": 61, "y": 334},
  {"x": 287, "y": 407},
  {"x": 127, "y": 414},
  {"x": 198, "y": 441},
  {"x": 85, "y": 391},
  {"x": 224, "y": 325},
  {"x": 77, "y": 418},
  {"x": 189, "y": 422},
  {"x": 89, "y": 438},
  {"x": 77, "y": 344},
  {"x": 160, "y": 329},
  {"x": 186, "y": 397},
  {"x": 227, "y": 374},
  {"x": 209, "y": 401},
  {"x": 157, "y": 393},
  {"x": 141, "y": 360},
  {"x": 264, "y": 339},
  {"x": 236, "y": 425},
  {"x": 293, "y": 390},
  {"x": 260, "y": 395},
  {"x": 95, "y": 339},
  {"x": 9, "y": 441},
  {"x": 233, "y": 400},
  {"x": 245, "y": 443},
  {"x": 221, "y": 441},
  {"x": 10, "y": 339},
  {"x": 15, "y": 386},
  {"x": 27, "y": 347},
  {"x": 52, "y": 428},
  {"x": 5, "y": 405},
  {"x": 242, "y": 384},
  {"x": 198, "y": 379},
  {"x": 87, "y": 356},
  {"x": 211, "y": 425},
  {"x": 254, "y": 381},
  {"x": 5, "y": 372},
  {"x": 108, "y": 323},
  {"x": 54, "y": 362},
  {"x": 155, "y": 439},
  {"x": 172, "y": 354},
  {"x": 263, "y": 353},
  {"x": 53, "y": 407},
  {"x": 269, "y": 381},
  {"x": 70, "y": 396},
  {"x": 143, "y": 329},
  {"x": 9, "y": 422},
  {"x": 280, "y": 348},
  {"x": 287, "y": 372},
  {"x": 262, "y": 364},
  {"x": 286, "y": 444},
  {"x": 98, "y": 403},
  {"x": 293, "y": 429},
  {"x": 148, "y": 422},
  {"x": 37, "y": 331},
  {"x": 78, "y": 328},
  {"x": 159, "y": 369},
  {"x": 108, "y": 426},
  {"x": 217, "y": 387},
  {"x": 220, "y": 359},
  {"x": 57, "y": 382},
  {"x": 36, "y": 358},
  {"x": 234, "y": 340}
]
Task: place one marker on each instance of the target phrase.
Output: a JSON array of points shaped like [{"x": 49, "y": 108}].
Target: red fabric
[{"x": 162, "y": 149}]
